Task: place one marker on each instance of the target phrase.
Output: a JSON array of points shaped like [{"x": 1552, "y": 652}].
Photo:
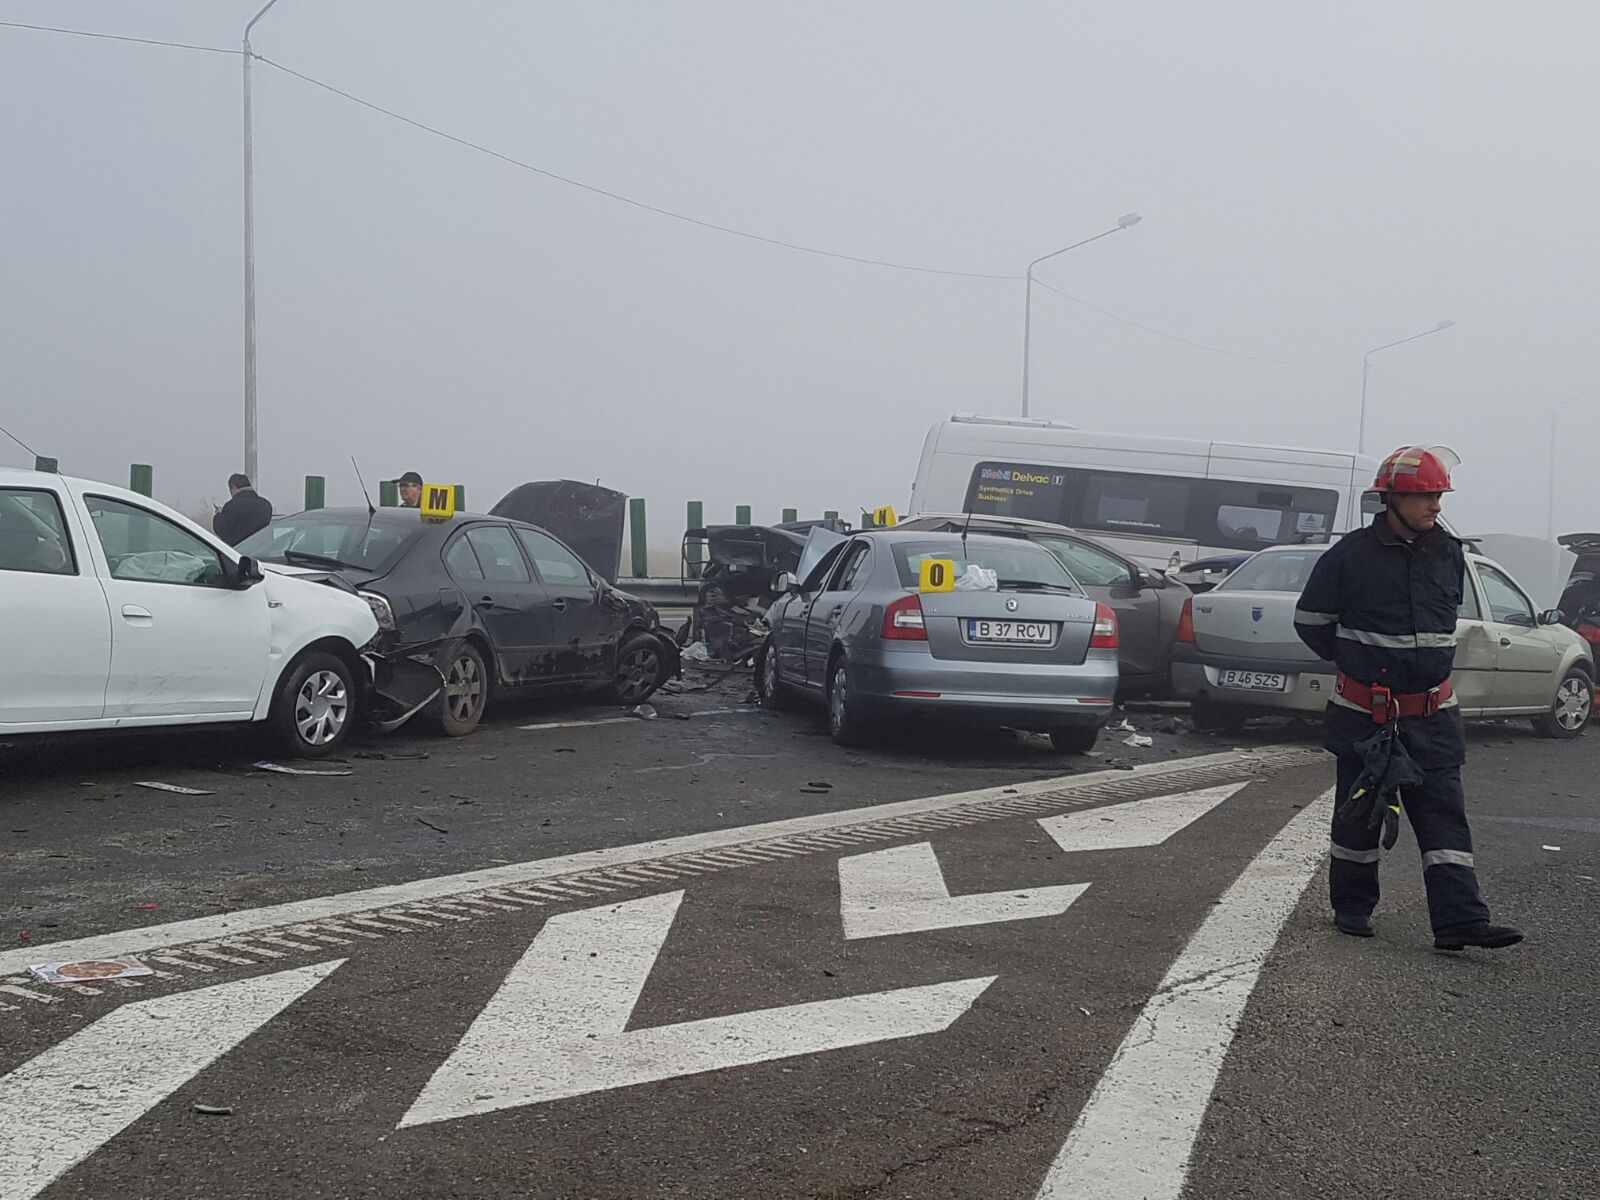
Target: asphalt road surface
[{"x": 711, "y": 955}]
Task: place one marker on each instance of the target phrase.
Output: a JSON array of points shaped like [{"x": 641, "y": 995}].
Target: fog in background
[{"x": 1314, "y": 180}]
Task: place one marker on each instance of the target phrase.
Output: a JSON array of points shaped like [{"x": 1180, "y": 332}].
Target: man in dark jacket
[
  {"x": 1381, "y": 605},
  {"x": 244, "y": 513}
]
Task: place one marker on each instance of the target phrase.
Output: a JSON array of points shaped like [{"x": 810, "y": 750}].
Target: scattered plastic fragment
[
  {"x": 214, "y": 1110},
  {"x": 282, "y": 770},
  {"x": 174, "y": 788},
  {"x": 643, "y": 711},
  {"x": 147, "y": 906},
  {"x": 1138, "y": 741},
  {"x": 1555, "y": 848}
]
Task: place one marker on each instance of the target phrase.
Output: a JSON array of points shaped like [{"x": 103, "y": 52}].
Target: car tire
[
  {"x": 844, "y": 724},
  {"x": 315, "y": 706},
  {"x": 1572, "y": 708},
  {"x": 1074, "y": 739},
  {"x": 1209, "y": 717},
  {"x": 466, "y": 690},
  {"x": 640, "y": 667},
  {"x": 770, "y": 687}
]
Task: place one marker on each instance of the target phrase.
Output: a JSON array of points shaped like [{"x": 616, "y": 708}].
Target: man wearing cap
[
  {"x": 1381, "y": 605},
  {"x": 410, "y": 490}
]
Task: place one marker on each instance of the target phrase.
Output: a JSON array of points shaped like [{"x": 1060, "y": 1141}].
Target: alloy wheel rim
[
  {"x": 836, "y": 700},
  {"x": 464, "y": 690},
  {"x": 321, "y": 708},
  {"x": 637, "y": 672}
]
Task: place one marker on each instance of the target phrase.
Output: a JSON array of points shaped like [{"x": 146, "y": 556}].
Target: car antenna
[
  {"x": 18, "y": 441},
  {"x": 366, "y": 495}
]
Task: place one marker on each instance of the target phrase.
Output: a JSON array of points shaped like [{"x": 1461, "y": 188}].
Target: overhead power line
[{"x": 117, "y": 37}]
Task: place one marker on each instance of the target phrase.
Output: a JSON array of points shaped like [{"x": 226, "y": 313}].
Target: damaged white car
[{"x": 117, "y": 612}]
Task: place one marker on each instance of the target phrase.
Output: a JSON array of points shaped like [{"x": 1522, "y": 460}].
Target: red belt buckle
[{"x": 1382, "y": 704}]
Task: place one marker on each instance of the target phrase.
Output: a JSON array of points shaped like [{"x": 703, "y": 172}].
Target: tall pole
[
  {"x": 251, "y": 456},
  {"x": 1125, "y": 222},
  {"x": 1366, "y": 369}
]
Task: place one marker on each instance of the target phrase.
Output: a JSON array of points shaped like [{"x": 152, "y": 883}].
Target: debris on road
[
  {"x": 92, "y": 971},
  {"x": 147, "y": 906},
  {"x": 1138, "y": 741},
  {"x": 214, "y": 1110},
  {"x": 282, "y": 770},
  {"x": 643, "y": 711},
  {"x": 174, "y": 788},
  {"x": 1555, "y": 848},
  {"x": 379, "y": 754},
  {"x": 431, "y": 825}
]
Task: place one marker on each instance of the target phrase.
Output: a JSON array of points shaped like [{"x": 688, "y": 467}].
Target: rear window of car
[
  {"x": 355, "y": 542},
  {"x": 1012, "y": 560},
  {"x": 1280, "y": 571}
]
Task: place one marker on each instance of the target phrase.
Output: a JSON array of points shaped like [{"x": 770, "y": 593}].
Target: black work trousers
[{"x": 1438, "y": 814}]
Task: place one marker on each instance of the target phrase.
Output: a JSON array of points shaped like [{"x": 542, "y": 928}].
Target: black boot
[
  {"x": 1483, "y": 934},
  {"x": 1355, "y": 924}
]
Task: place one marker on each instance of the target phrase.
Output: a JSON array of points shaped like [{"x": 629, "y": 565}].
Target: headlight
[{"x": 380, "y": 609}]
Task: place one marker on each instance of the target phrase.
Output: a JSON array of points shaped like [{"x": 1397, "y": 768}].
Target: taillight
[
  {"x": 1105, "y": 629},
  {"x": 902, "y": 621},
  {"x": 1186, "y": 622}
]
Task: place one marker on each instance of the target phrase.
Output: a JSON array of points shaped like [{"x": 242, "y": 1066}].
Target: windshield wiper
[
  {"x": 314, "y": 560},
  {"x": 1035, "y": 585}
]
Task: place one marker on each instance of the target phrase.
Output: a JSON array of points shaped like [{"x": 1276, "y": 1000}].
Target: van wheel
[
  {"x": 1573, "y": 706},
  {"x": 466, "y": 691},
  {"x": 315, "y": 707},
  {"x": 1209, "y": 717}
]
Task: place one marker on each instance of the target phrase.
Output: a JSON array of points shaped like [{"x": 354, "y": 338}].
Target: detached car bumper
[{"x": 891, "y": 683}]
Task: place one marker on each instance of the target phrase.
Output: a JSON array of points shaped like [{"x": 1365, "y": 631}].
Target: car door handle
[
  {"x": 133, "y": 612},
  {"x": 559, "y": 605},
  {"x": 488, "y": 602},
  {"x": 1505, "y": 641},
  {"x": 837, "y": 609}
]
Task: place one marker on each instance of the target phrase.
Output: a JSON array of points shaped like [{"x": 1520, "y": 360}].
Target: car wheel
[
  {"x": 315, "y": 707},
  {"x": 466, "y": 691},
  {"x": 774, "y": 693},
  {"x": 639, "y": 671},
  {"x": 1573, "y": 706},
  {"x": 1209, "y": 717},
  {"x": 1075, "y": 739},
  {"x": 844, "y": 722}
]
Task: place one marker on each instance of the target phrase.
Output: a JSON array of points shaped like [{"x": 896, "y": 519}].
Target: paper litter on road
[
  {"x": 90, "y": 971},
  {"x": 281, "y": 770},
  {"x": 1138, "y": 741},
  {"x": 172, "y": 787},
  {"x": 1555, "y": 848},
  {"x": 1122, "y": 726},
  {"x": 643, "y": 711}
]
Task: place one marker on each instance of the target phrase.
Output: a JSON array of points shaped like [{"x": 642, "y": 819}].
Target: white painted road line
[
  {"x": 1134, "y": 1138},
  {"x": 902, "y": 890},
  {"x": 58, "y": 1108},
  {"x": 1136, "y": 823},
  {"x": 235, "y": 924},
  {"x": 556, "y": 1028}
]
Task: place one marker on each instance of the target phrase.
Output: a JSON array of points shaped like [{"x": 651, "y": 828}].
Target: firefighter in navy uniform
[{"x": 1381, "y": 605}]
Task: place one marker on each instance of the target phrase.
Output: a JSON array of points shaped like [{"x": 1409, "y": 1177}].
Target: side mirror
[
  {"x": 784, "y": 583},
  {"x": 247, "y": 573},
  {"x": 1143, "y": 577},
  {"x": 1553, "y": 616}
]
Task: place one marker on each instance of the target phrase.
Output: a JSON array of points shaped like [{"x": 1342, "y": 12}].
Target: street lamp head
[
  {"x": 1128, "y": 220},
  {"x": 1444, "y": 325}
]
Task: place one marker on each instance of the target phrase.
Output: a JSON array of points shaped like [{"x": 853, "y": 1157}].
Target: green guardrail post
[
  {"x": 741, "y": 514},
  {"x": 791, "y": 515},
  {"x": 48, "y": 465},
  {"x": 641, "y": 542},
  {"x": 831, "y": 515},
  {"x": 696, "y": 548},
  {"x": 142, "y": 479},
  {"x": 461, "y": 497},
  {"x": 316, "y": 492},
  {"x": 388, "y": 494}
]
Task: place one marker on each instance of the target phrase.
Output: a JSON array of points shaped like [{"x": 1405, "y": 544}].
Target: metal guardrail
[{"x": 663, "y": 593}]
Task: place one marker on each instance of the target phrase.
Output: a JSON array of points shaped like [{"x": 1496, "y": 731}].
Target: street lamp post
[
  {"x": 1366, "y": 368},
  {"x": 1550, "y": 496},
  {"x": 250, "y": 446},
  {"x": 1127, "y": 221}
]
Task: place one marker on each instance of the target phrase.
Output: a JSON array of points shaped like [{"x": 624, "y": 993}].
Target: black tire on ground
[
  {"x": 1571, "y": 709},
  {"x": 770, "y": 687},
  {"x": 1075, "y": 739},
  {"x": 640, "y": 667},
  {"x": 315, "y": 706},
  {"x": 1216, "y": 718},
  {"x": 466, "y": 690},
  {"x": 846, "y": 727}
]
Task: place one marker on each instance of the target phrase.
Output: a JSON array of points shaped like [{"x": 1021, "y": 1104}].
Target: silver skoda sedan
[{"x": 1015, "y": 644}]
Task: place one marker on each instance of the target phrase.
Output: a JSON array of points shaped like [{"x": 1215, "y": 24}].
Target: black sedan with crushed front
[{"x": 496, "y": 606}]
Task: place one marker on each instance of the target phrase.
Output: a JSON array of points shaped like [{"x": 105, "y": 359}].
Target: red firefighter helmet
[{"x": 1417, "y": 469}]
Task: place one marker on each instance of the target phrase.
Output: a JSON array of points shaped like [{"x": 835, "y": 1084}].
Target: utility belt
[{"x": 1387, "y": 705}]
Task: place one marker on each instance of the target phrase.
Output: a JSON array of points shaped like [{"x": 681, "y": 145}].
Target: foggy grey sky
[{"x": 1314, "y": 182}]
